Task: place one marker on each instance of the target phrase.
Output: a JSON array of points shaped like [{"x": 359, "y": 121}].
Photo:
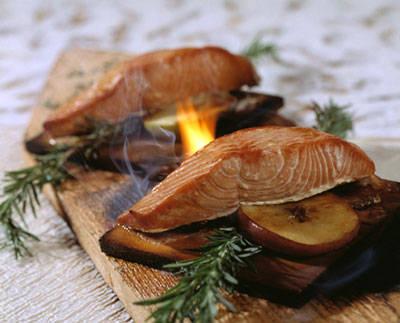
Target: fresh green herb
[
  {"x": 21, "y": 192},
  {"x": 22, "y": 187},
  {"x": 197, "y": 294},
  {"x": 333, "y": 118},
  {"x": 259, "y": 49}
]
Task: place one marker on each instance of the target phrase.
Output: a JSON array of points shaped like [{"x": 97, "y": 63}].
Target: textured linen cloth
[{"x": 346, "y": 50}]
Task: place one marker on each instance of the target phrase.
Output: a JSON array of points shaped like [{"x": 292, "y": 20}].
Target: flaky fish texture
[
  {"x": 148, "y": 83},
  {"x": 267, "y": 165}
]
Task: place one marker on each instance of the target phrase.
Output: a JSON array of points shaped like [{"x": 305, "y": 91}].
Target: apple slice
[{"x": 310, "y": 227}]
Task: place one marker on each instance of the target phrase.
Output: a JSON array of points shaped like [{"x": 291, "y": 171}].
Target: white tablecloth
[{"x": 346, "y": 50}]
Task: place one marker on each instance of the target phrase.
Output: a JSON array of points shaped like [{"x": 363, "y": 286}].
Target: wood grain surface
[{"x": 90, "y": 203}]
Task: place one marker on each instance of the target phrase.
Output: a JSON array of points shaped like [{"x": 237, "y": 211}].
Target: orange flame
[{"x": 196, "y": 126}]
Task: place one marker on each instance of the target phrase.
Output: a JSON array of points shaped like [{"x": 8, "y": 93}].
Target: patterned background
[{"x": 346, "y": 50}]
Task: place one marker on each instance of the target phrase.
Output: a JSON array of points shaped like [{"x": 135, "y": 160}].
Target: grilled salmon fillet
[
  {"x": 146, "y": 84},
  {"x": 267, "y": 165}
]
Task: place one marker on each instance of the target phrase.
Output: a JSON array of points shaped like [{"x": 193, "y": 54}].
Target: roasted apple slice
[{"x": 310, "y": 227}]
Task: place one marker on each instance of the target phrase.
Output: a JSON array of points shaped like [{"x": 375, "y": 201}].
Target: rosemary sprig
[
  {"x": 258, "y": 49},
  {"x": 199, "y": 291},
  {"x": 21, "y": 192},
  {"x": 333, "y": 118},
  {"x": 22, "y": 187}
]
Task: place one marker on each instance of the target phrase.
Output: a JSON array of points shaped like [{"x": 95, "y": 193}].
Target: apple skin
[{"x": 269, "y": 237}]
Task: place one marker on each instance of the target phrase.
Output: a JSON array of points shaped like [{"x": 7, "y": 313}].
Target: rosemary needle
[
  {"x": 333, "y": 118},
  {"x": 197, "y": 294},
  {"x": 22, "y": 187},
  {"x": 258, "y": 49}
]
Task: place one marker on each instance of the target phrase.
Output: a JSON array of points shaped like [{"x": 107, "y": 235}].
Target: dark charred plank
[{"x": 39, "y": 144}]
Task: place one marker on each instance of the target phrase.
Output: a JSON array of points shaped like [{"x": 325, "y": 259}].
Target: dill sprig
[
  {"x": 258, "y": 49},
  {"x": 198, "y": 292},
  {"x": 22, "y": 187},
  {"x": 333, "y": 118}
]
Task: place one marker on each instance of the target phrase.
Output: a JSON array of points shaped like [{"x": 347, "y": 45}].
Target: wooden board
[{"x": 90, "y": 203}]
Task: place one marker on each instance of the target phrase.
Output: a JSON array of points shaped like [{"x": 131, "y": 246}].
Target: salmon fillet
[
  {"x": 267, "y": 165},
  {"x": 146, "y": 84}
]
